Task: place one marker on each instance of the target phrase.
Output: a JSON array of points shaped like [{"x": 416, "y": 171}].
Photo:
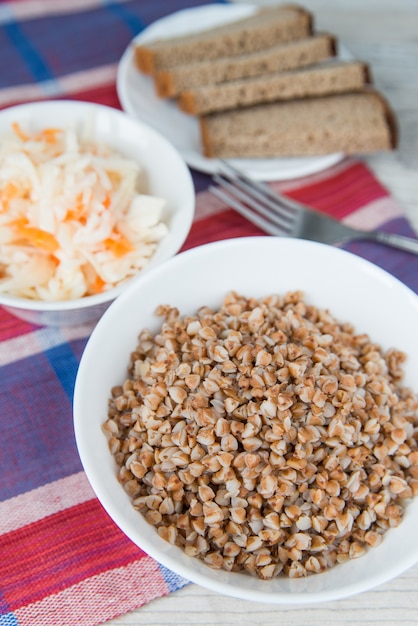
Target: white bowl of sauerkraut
[{"x": 90, "y": 199}]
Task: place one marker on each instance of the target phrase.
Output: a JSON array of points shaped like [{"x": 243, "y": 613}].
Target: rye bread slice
[
  {"x": 352, "y": 123},
  {"x": 279, "y": 58},
  {"x": 319, "y": 80},
  {"x": 267, "y": 27}
]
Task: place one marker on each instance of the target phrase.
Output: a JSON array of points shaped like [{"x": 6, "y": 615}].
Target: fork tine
[
  {"x": 262, "y": 188},
  {"x": 260, "y": 221},
  {"x": 263, "y": 206},
  {"x": 260, "y": 194}
]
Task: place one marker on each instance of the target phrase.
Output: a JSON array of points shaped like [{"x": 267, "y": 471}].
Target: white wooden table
[{"x": 385, "y": 34}]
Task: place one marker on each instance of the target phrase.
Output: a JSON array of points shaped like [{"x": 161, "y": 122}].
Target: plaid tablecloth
[{"x": 62, "y": 560}]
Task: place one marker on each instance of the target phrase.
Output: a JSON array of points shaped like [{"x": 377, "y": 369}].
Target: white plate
[{"x": 138, "y": 98}]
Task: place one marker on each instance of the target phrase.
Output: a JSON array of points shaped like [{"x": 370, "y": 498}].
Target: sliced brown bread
[
  {"x": 361, "y": 122},
  {"x": 320, "y": 80},
  {"x": 278, "y": 58},
  {"x": 265, "y": 28}
]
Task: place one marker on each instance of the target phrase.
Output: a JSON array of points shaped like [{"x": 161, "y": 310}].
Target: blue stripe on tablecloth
[
  {"x": 173, "y": 581},
  {"x": 65, "y": 364},
  {"x": 126, "y": 15},
  {"x": 6, "y": 617},
  {"x": 35, "y": 61},
  {"x": 14, "y": 70},
  {"x": 37, "y": 430},
  {"x": 400, "y": 264}
]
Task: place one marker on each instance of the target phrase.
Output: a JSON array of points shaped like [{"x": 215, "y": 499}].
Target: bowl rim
[{"x": 16, "y": 302}]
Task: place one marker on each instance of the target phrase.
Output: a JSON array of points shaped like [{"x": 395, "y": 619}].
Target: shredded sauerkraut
[{"x": 73, "y": 220}]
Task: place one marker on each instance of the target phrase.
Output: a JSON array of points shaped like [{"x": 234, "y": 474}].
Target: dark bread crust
[
  {"x": 143, "y": 57},
  {"x": 186, "y": 102},
  {"x": 390, "y": 117},
  {"x": 368, "y": 78},
  {"x": 333, "y": 44},
  {"x": 164, "y": 84},
  {"x": 207, "y": 147}
]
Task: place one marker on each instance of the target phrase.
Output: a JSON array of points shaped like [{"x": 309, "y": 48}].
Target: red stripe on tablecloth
[
  {"x": 61, "y": 550},
  {"x": 103, "y": 94},
  {"x": 342, "y": 194},
  {"x": 107, "y": 595},
  {"x": 226, "y": 224},
  {"x": 11, "y": 326}
]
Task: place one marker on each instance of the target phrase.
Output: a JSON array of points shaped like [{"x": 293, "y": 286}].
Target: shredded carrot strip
[
  {"x": 48, "y": 134},
  {"x": 19, "y": 132},
  {"x": 77, "y": 213},
  {"x": 73, "y": 215},
  {"x": 107, "y": 201},
  {"x": 18, "y": 224},
  {"x": 97, "y": 286},
  {"x": 41, "y": 239},
  {"x": 9, "y": 191},
  {"x": 35, "y": 236},
  {"x": 118, "y": 245}
]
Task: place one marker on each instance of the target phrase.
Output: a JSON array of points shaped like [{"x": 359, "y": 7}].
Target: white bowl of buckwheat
[{"x": 246, "y": 414}]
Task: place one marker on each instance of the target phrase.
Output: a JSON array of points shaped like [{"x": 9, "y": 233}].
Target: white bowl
[
  {"x": 353, "y": 289},
  {"x": 167, "y": 176}
]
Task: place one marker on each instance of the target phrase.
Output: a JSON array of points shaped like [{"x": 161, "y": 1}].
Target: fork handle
[{"x": 395, "y": 241}]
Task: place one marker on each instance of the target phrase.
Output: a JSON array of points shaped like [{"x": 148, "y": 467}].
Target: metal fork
[{"x": 278, "y": 215}]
